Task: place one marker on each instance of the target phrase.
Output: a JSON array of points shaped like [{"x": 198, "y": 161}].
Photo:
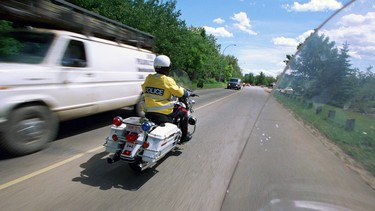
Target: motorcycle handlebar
[{"x": 191, "y": 93}]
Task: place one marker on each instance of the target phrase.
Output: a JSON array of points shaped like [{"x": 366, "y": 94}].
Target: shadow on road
[
  {"x": 85, "y": 124},
  {"x": 98, "y": 173},
  {"x": 81, "y": 125}
]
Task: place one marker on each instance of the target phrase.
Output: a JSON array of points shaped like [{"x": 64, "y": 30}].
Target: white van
[{"x": 56, "y": 75}]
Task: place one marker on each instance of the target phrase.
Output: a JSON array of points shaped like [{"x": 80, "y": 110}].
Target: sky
[{"x": 259, "y": 33}]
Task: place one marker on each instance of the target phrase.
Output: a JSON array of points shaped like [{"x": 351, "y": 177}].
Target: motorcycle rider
[{"x": 158, "y": 89}]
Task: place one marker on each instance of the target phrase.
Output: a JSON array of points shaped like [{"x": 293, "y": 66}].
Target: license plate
[{"x": 129, "y": 146}]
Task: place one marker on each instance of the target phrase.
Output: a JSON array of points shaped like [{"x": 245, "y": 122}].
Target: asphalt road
[{"x": 248, "y": 153}]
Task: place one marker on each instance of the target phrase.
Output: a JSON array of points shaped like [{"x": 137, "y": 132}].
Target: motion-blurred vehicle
[
  {"x": 50, "y": 74},
  {"x": 287, "y": 90},
  {"x": 234, "y": 83}
]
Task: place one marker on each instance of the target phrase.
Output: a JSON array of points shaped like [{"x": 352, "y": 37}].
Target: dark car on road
[{"x": 234, "y": 83}]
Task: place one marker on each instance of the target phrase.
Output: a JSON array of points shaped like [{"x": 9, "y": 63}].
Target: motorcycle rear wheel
[{"x": 135, "y": 167}]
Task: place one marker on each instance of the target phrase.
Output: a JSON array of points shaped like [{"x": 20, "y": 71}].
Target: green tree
[
  {"x": 261, "y": 79},
  {"x": 270, "y": 80},
  {"x": 189, "y": 48},
  {"x": 8, "y": 45},
  {"x": 201, "y": 55},
  {"x": 288, "y": 58},
  {"x": 231, "y": 68},
  {"x": 364, "y": 98},
  {"x": 342, "y": 86},
  {"x": 249, "y": 78},
  {"x": 321, "y": 72}
]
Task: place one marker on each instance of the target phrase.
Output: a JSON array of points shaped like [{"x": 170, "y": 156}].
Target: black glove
[{"x": 192, "y": 94}]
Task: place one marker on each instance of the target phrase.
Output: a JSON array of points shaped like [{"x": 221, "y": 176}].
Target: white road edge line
[{"x": 75, "y": 157}]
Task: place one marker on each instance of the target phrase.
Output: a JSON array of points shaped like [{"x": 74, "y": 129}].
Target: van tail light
[
  {"x": 117, "y": 121},
  {"x": 131, "y": 137}
]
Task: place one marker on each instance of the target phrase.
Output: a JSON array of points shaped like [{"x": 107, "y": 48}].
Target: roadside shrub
[{"x": 200, "y": 83}]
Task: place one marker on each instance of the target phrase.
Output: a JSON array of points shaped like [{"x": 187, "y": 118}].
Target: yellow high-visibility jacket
[{"x": 158, "y": 90}]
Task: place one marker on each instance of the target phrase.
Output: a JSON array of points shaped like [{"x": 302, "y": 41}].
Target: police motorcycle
[{"x": 142, "y": 142}]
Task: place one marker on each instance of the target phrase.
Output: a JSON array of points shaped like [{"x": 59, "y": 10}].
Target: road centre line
[
  {"x": 220, "y": 99},
  {"x": 75, "y": 157}
]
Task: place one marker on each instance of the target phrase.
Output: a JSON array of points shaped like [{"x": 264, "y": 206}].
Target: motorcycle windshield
[{"x": 182, "y": 78}]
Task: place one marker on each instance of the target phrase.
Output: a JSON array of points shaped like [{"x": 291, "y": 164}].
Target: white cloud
[
  {"x": 351, "y": 19},
  {"x": 218, "y": 32},
  {"x": 355, "y": 19},
  {"x": 270, "y": 60},
  {"x": 291, "y": 42},
  {"x": 219, "y": 21},
  {"x": 272, "y": 73},
  {"x": 358, "y": 31},
  {"x": 283, "y": 41},
  {"x": 314, "y": 6},
  {"x": 301, "y": 38},
  {"x": 354, "y": 54},
  {"x": 243, "y": 23}
]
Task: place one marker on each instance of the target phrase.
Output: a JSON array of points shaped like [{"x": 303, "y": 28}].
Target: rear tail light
[
  {"x": 127, "y": 152},
  {"x": 131, "y": 137},
  {"x": 117, "y": 121},
  {"x": 114, "y": 137}
]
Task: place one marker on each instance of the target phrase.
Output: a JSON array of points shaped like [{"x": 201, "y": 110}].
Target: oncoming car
[{"x": 234, "y": 83}]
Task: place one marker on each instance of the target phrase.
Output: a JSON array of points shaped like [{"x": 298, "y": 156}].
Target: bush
[
  {"x": 211, "y": 81},
  {"x": 200, "y": 83}
]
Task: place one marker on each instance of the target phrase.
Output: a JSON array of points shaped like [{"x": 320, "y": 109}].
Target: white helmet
[{"x": 162, "y": 61}]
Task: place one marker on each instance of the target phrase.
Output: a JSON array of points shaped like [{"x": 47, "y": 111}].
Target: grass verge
[
  {"x": 358, "y": 143},
  {"x": 209, "y": 85}
]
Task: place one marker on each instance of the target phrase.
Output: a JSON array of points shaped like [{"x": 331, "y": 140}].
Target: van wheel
[
  {"x": 28, "y": 130},
  {"x": 138, "y": 108}
]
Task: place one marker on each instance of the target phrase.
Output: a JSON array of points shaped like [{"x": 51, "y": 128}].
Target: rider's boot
[{"x": 186, "y": 137}]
